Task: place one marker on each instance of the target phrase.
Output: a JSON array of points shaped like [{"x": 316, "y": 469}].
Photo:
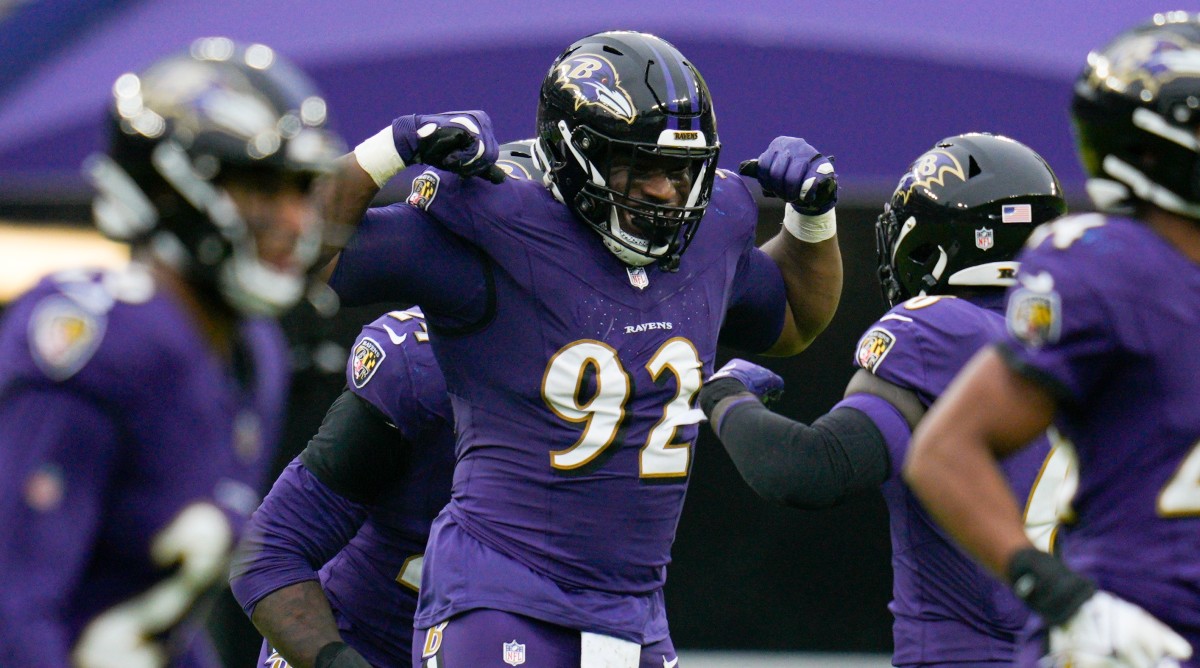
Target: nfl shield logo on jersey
[
  {"x": 638, "y": 277},
  {"x": 984, "y": 238},
  {"x": 514, "y": 653}
]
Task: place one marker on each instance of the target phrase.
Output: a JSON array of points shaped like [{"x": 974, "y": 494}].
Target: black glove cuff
[
  {"x": 340, "y": 655},
  {"x": 1047, "y": 586},
  {"x": 712, "y": 393}
]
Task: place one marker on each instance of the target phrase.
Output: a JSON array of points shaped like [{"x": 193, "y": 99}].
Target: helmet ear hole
[
  {"x": 923, "y": 254},
  {"x": 973, "y": 169}
]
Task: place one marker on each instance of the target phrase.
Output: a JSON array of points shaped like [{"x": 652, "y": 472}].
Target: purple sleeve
[
  {"x": 756, "y": 308},
  {"x": 1059, "y": 331},
  {"x": 890, "y": 422},
  {"x": 299, "y": 526},
  {"x": 399, "y": 253},
  {"x": 56, "y": 452}
]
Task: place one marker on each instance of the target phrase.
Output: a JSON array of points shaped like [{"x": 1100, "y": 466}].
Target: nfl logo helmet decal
[
  {"x": 984, "y": 238},
  {"x": 366, "y": 358},
  {"x": 593, "y": 80},
  {"x": 514, "y": 653}
]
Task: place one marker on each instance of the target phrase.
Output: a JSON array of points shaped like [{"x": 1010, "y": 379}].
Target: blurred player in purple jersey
[
  {"x": 332, "y": 559},
  {"x": 574, "y": 318},
  {"x": 946, "y": 243},
  {"x": 139, "y": 408},
  {"x": 1100, "y": 329}
]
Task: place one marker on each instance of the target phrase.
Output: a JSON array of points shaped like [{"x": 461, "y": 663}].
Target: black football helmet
[
  {"x": 219, "y": 111},
  {"x": 517, "y": 160},
  {"x": 1136, "y": 117},
  {"x": 961, "y": 213},
  {"x": 634, "y": 96}
]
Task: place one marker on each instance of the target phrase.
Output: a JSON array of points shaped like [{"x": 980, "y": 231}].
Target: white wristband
[
  {"x": 378, "y": 157},
  {"x": 810, "y": 229}
]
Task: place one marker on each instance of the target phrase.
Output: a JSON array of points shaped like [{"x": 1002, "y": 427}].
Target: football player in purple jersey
[
  {"x": 139, "y": 407},
  {"x": 345, "y": 524},
  {"x": 946, "y": 243},
  {"x": 331, "y": 562},
  {"x": 574, "y": 318},
  {"x": 1100, "y": 327}
]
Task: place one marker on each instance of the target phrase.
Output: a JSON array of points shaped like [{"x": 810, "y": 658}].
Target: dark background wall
[{"x": 748, "y": 574}]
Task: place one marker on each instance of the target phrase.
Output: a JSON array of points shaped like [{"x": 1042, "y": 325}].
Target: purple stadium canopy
[{"x": 874, "y": 82}]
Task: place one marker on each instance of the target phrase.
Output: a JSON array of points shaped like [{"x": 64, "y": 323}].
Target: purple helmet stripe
[{"x": 680, "y": 123}]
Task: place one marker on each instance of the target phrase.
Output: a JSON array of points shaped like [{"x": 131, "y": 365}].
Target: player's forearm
[
  {"x": 343, "y": 197},
  {"x": 955, "y": 475},
  {"x": 300, "y": 525},
  {"x": 297, "y": 621},
  {"x": 812, "y": 273},
  {"x": 799, "y": 465},
  {"x": 987, "y": 413}
]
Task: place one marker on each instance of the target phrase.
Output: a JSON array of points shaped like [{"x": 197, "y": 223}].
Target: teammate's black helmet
[
  {"x": 961, "y": 213},
  {"x": 1136, "y": 117},
  {"x": 516, "y": 159},
  {"x": 219, "y": 111},
  {"x": 631, "y": 95}
]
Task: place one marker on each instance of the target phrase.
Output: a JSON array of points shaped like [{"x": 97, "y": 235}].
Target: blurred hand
[{"x": 1109, "y": 631}]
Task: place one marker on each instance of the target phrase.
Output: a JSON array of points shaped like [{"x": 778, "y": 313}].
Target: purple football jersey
[
  {"x": 372, "y": 582},
  {"x": 573, "y": 402},
  {"x": 367, "y": 556},
  {"x": 1101, "y": 318},
  {"x": 948, "y": 609},
  {"x": 121, "y": 430}
]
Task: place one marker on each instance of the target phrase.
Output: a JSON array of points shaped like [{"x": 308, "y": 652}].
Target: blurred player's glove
[
  {"x": 456, "y": 141},
  {"x": 794, "y": 171},
  {"x": 734, "y": 378},
  {"x": 1108, "y": 631},
  {"x": 196, "y": 544},
  {"x": 1090, "y": 628},
  {"x": 340, "y": 655}
]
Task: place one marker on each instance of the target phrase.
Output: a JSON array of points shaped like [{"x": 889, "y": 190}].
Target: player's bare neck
[
  {"x": 1183, "y": 233},
  {"x": 216, "y": 321}
]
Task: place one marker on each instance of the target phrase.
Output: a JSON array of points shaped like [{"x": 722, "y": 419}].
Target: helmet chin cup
[
  {"x": 255, "y": 289},
  {"x": 630, "y": 249}
]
